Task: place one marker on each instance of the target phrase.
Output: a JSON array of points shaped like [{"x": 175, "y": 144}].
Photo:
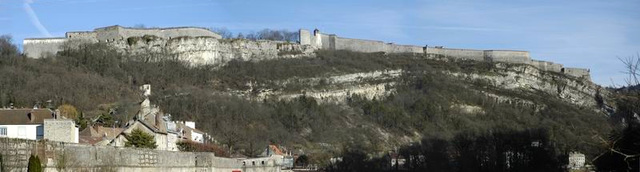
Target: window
[{"x": 3, "y": 131}]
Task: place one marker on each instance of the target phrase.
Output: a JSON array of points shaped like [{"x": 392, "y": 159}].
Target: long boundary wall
[
  {"x": 217, "y": 54},
  {"x": 57, "y": 156},
  {"x": 42, "y": 47},
  {"x": 333, "y": 42}
]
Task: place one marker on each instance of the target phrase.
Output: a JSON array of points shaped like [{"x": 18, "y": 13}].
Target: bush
[
  {"x": 190, "y": 146},
  {"x": 140, "y": 139},
  {"x": 1, "y": 164},
  {"x": 34, "y": 164}
]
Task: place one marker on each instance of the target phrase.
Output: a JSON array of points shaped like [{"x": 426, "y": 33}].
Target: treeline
[
  {"x": 102, "y": 82},
  {"x": 528, "y": 150},
  {"x": 264, "y": 34}
]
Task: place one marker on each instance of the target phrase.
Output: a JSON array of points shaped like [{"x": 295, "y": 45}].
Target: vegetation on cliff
[{"x": 428, "y": 107}]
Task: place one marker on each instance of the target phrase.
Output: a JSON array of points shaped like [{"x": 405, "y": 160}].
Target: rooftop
[{"x": 24, "y": 116}]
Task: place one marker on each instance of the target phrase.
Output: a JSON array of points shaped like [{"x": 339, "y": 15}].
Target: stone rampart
[
  {"x": 577, "y": 72},
  {"x": 201, "y": 46},
  {"x": 359, "y": 45},
  {"x": 81, "y": 35},
  {"x": 42, "y": 47},
  {"x": 546, "y": 66},
  {"x": 304, "y": 37},
  {"x": 395, "y": 48},
  {"x": 467, "y": 54},
  {"x": 507, "y": 56},
  {"x": 57, "y": 156},
  {"x": 113, "y": 33}
]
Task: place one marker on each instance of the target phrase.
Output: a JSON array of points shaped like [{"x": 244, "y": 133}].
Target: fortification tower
[{"x": 317, "y": 38}]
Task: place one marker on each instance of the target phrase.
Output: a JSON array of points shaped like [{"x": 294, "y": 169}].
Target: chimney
[{"x": 56, "y": 114}]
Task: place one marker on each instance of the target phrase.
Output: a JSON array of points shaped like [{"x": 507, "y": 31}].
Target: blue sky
[{"x": 585, "y": 33}]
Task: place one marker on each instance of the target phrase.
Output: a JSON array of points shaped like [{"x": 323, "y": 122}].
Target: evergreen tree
[
  {"x": 34, "y": 164},
  {"x": 140, "y": 139}
]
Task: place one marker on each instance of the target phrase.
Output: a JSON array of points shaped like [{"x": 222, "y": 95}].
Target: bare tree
[
  {"x": 632, "y": 69},
  {"x": 222, "y": 31},
  {"x": 6, "y": 47}
]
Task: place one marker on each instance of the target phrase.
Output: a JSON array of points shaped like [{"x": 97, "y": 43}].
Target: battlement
[
  {"x": 112, "y": 33},
  {"x": 333, "y": 42},
  {"x": 212, "y": 50}
]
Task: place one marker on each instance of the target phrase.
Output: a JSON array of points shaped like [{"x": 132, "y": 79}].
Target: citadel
[{"x": 202, "y": 46}]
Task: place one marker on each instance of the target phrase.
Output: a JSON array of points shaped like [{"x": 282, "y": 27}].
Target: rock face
[
  {"x": 533, "y": 80},
  {"x": 335, "y": 89},
  {"x": 212, "y": 51}
]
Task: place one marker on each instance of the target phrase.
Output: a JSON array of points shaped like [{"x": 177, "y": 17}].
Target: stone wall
[
  {"x": 113, "y": 33},
  {"x": 395, "y": 48},
  {"x": 359, "y": 45},
  {"x": 85, "y": 35},
  {"x": 201, "y": 46},
  {"x": 507, "y": 56},
  {"x": 60, "y": 130},
  {"x": 546, "y": 66},
  {"x": 577, "y": 72},
  {"x": 305, "y": 37},
  {"x": 467, "y": 54},
  {"x": 42, "y": 47},
  {"x": 57, "y": 156}
]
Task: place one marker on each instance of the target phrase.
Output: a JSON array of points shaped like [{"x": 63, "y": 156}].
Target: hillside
[{"x": 321, "y": 105}]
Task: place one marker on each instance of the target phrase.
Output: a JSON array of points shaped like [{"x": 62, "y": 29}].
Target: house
[
  {"x": 37, "y": 124},
  {"x": 150, "y": 119},
  {"x": 99, "y": 135},
  {"x": 396, "y": 160},
  {"x": 187, "y": 130},
  {"x": 279, "y": 154},
  {"x": 576, "y": 160},
  {"x": 24, "y": 123}
]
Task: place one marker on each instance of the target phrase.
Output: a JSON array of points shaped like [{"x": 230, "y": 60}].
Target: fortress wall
[
  {"x": 75, "y": 157},
  {"x": 305, "y": 37},
  {"x": 508, "y": 56},
  {"x": 360, "y": 45},
  {"x": 328, "y": 42},
  {"x": 108, "y": 34},
  {"x": 37, "y": 48},
  {"x": 168, "y": 33},
  {"x": 393, "y": 48},
  {"x": 81, "y": 35},
  {"x": 577, "y": 72},
  {"x": 467, "y": 54},
  {"x": 546, "y": 66}
]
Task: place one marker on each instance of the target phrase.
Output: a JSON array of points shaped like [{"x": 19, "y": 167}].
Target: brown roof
[
  {"x": 92, "y": 135},
  {"x": 24, "y": 116}
]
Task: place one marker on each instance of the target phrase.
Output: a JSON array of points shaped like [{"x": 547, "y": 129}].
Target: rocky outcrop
[
  {"x": 211, "y": 51},
  {"x": 527, "y": 78}
]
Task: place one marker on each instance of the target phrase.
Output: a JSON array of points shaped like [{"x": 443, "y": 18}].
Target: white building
[
  {"x": 24, "y": 123},
  {"x": 576, "y": 160}
]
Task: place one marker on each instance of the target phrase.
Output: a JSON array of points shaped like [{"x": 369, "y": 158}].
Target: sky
[{"x": 590, "y": 34}]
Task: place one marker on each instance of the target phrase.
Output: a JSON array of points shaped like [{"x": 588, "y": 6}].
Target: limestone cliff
[{"x": 211, "y": 51}]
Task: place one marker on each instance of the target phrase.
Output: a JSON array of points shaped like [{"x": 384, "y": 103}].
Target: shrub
[
  {"x": 140, "y": 139},
  {"x": 189, "y": 146},
  {"x": 34, "y": 164}
]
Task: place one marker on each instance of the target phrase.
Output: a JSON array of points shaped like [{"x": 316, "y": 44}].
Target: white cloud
[{"x": 34, "y": 18}]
